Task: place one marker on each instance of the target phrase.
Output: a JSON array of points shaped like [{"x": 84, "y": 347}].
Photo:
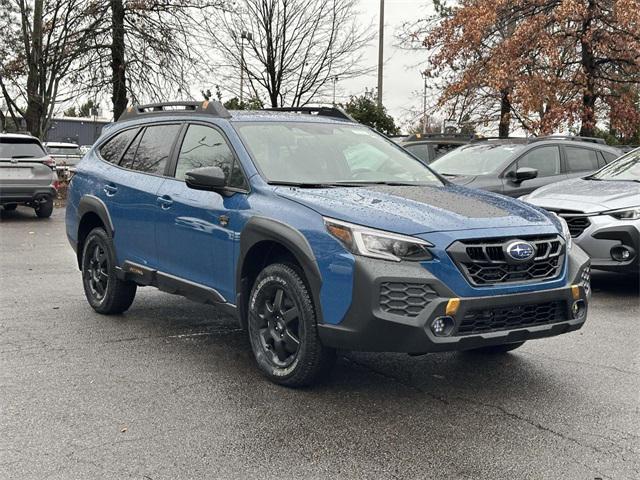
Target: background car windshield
[
  {"x": 64, "y": 150},
  {"x": 478, "y": 159},
  {"x": 625, "y": 168},
  {"x": 21, "y": 149},
  {"x": 305, "y": 152}
]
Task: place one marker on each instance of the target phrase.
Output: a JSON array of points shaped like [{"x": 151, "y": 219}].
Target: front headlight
[
  {"x": 632, "y": 213},
  {"x": 377, "y": 243},
  {"x": 566, "y": 233}
]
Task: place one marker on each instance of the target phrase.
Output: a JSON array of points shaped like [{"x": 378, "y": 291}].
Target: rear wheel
[
  {"x": 45, "y": 209},
  {"x": 282, "y": 329},
  {"x": 10, "y": 207},
  {"x": 105, "y": 292},
  {"x": 497, "y": 349}
]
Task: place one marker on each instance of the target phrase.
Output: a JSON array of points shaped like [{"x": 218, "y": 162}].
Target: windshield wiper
[
  {"x": 303, "y": 185},
  {"x": 23, "y": 156},
  {"x": 381, "y": 182}
]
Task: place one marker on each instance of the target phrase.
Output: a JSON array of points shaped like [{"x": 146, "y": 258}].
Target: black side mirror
[
  {"x": 206, "y": 178},
  {"x": 522, "y": 174}
]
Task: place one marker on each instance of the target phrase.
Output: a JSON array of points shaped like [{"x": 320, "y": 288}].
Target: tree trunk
[
  {"x": 589, "y": 97},
  {"x": 118, "y": 66},
  {"x": 505, "y": 113},
  {"x": 35, "y": 109}
]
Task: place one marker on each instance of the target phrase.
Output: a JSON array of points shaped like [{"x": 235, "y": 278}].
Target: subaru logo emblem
[{"x": 520, "y": 251}]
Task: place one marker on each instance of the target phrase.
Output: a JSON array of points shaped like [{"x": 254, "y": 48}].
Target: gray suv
[
  {"x": 27, "y": 174},
  {"x": 518, "y": 166}
]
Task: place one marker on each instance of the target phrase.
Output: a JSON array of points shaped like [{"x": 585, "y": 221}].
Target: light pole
[
  {"x": 243, "y": 36},
  {"x": 424, "y": 103},
  {"x": 335, "y": 80},
  {"x": 380, "y": 52}
]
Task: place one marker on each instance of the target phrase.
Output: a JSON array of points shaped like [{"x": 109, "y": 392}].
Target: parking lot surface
[{"x": 169, "y": 391}]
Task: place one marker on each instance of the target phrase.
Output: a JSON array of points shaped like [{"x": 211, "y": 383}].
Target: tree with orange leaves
[{"x": 550, "y": 63}]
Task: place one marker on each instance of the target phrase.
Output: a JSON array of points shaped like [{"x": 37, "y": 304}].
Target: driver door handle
[{"x": 165, "y": 202}]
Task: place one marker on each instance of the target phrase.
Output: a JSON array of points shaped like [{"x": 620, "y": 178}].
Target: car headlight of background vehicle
[
  {"x": 377, "y": 243},
  {"x": 632, "y": 213},
  {"x": 566, "y": 233}
]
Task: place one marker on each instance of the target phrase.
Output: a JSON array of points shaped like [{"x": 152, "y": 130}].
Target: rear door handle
[
  {"x": 165, "y": 202},
  {"x": 110, "y": 190}
]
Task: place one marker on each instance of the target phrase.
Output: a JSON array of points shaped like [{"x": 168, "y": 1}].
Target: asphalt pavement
[{"x": 169, "y": 390}]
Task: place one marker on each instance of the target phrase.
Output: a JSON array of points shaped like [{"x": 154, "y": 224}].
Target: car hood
[
  {"x": 415, "y": 210},
  {"x": 587, "y": 196}
]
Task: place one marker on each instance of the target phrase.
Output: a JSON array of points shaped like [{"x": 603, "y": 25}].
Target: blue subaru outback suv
[{"x": 318, "y": 234}]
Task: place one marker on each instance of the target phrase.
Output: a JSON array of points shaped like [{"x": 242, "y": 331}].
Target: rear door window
[
  {"x": 581, "y": 159},
  {"x": 544, "y": 159},
  {"x": 112, "y": 150},
  {"x": 153, "y": 149}
]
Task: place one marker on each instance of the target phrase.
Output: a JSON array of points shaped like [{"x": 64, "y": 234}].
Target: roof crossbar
[
  {"x": 333, "y": 112},
  {"x": 207, "y": 107}
]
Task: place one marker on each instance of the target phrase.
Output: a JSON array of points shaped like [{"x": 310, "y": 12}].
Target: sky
[{"x": 402, "y": 83}]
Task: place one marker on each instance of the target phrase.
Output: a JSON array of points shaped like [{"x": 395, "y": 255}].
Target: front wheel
[
  {"x": 105, "y": 292},
  {"x": 497, "y": 349},
  {"x": 282, "y": 329}
]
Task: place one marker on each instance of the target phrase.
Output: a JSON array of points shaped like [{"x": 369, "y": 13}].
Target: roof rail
[
  {"x": 208, "y": 107},
  {"x": 333, "y": 112},
  {"x": 572, "y": 138},
  {"x": 506, "y": 140},
  {"x": 448, "y": 136}
]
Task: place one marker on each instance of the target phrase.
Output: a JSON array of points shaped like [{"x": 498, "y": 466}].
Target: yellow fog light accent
[
  {"x": 452, "y": 306},
  {"x": 575, "y": 292}
]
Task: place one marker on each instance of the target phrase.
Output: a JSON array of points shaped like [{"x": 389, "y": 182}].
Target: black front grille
[
  {"x": 511, "y": 317},
  {"x": 577, "y": 225},
  {"x": 407, "y": 299},
  {"x": 484, "y": 262},
  {"x": 577, "y": 222}
]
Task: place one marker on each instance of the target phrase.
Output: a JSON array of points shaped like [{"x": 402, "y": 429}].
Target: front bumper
[
  {"x": 605, "y": 233},
  {"x": 368, "y": 326}
]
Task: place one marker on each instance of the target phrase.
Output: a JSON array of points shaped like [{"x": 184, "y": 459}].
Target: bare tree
[
  {"x": 297, "y": 47},
  {"x": 144, "y": 49},
  {"x": 38, "y": 47}
]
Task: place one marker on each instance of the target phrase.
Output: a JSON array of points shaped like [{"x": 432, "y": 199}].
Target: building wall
[{"x": 80, "y": 131}]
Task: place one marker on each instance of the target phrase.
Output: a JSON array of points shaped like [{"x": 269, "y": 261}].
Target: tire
[
  {"x": 44, "y": 210},
  {"x": 497, "y": 349},
  {"x": 105, "y": 292},
  {"x": 282, "y": 329},
  {"x": 10, "y": 207}
]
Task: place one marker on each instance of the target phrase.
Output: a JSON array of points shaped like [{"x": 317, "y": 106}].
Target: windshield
[
  {"x": 64, "y": 150},
  {"x": 625, "y": 168},
  {"x": 322, "y": 153},
  {"x": 476, "y": 159},
  {"x": 14, "y": 148}
]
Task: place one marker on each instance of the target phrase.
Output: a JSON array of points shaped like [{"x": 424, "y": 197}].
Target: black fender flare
[
  {"x": 259, "y": 229},
  {"x": 91, "y": 203}
]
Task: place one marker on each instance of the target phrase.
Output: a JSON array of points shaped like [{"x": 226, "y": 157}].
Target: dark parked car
[
  {"x": 27, "y": 174},
  {"x": 429, "y": 146},
  {"x": 518, "y": 166}
]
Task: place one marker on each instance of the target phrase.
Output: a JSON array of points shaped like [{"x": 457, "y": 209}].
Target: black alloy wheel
[
  {"x": 282, "y": 328},
  {"x": 278, "y": 326}
]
